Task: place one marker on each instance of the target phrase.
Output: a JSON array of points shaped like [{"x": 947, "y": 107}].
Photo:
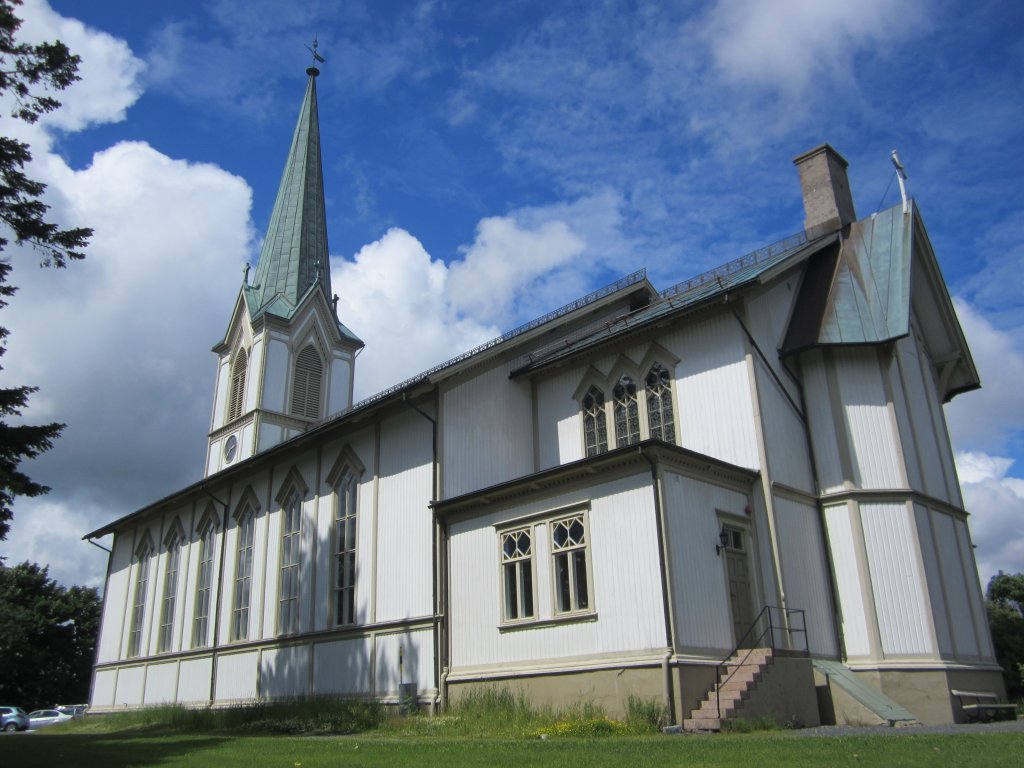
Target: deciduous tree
[
  {"x": 1004, "y": 601},
  {"x": 47, "y": 638},
  {"x": 29, "y": 74}
]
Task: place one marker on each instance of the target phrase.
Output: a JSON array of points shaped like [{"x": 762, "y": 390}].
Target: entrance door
[{"x": 738, "y": 570}]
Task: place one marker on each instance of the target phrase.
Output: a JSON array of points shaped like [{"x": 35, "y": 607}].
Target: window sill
[{"x": 569, "y": 618}]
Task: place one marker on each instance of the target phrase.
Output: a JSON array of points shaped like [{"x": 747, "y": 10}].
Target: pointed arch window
[
  {"x": 166, "y": 636},
  {"x": 291, "y": 544},
  {"x": 660, "y": 418},
  {"x": 204, "y": 584},
  {"x": 307, "y": 381},
  {"x": 345, "y": 550},
  {"x": 595, "y": 428},
  {"x": 236, "y": 395},
  {"x": 627, "y": 414},
  {"x": 243, "y": 573},
  {"x": 139, "y": 600}
]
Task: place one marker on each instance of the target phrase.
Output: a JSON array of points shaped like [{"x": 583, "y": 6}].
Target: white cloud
[
  {"x": 788, "y": 43},
  {"x": 109, "y": 72},
  {"x": 396, "y": 298},
  {"x": 989, "y": 419},
  {"x": 996, "y": 504}
]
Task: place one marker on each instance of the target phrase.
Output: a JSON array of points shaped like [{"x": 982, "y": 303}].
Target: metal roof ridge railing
[
  {"x": 624, "y": 282},
  {"x": 747, "y": 260}
]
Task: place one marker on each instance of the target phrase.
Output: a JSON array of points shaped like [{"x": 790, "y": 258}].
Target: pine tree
[{"x": 28, "y": 73}]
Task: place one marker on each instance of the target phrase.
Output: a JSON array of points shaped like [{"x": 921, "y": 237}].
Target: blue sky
[{"x": 483, "y": 165}]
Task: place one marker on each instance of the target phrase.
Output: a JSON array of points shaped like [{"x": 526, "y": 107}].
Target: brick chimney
[{"x": 827, "y": 199}]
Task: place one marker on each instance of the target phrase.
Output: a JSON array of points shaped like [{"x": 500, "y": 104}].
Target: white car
[{"x": 44, "y": 717}]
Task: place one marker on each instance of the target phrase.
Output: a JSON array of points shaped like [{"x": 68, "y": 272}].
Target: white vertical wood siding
[
  {"x": 236, "y": 676},
  {"x": 417, "y": 662},
  {"x": 972, "y": 586},
  {"x": 900, "y": 599},
  {"x": 263, "y": 618},
  {"x": 220, "y": 392},
  {"x": 251, "y": 394},
  {"x": 115, "y": 600},
  {"x": 821, "y": 420},
  {"x": 341, "y": 374},
  {"x": 194, "y": 676},
  {"x": 284, "y": 672},
  {"x": 404, "y": 521},
  {"x": 870, "y": 430},
  {"x": 957, "y": 597},
  {"x": 130, "y": 686},
  {"x": 839, "y": 521},
  {"x": 488, "y": 432},
  {"x": 103, "y": 688},
  {"x": 805, "y": 572},
  {"x": 909, "y": 439},
  {"x": 784, "y": 434},
  {"x": 699, "y": 581},
  {"x": 161, "y": 683},
  {"x": 560, "y": 429},
  {"x": 625, "y": 576},
  {"x": 920, "y": 392},
  {"x": 275, "y": 375},
  {"x": 716, "y": 415},
  {"x": 342, "y": 667},
  {"x": 934, "y": 575}
]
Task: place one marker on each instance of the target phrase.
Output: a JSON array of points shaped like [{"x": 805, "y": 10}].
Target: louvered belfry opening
[
  {"x": 306, "y": 383},
  {"x": 237, "y": 395}
]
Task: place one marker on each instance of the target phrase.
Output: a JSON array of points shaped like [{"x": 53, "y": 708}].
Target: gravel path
[{"x": 1011, "y": 726}]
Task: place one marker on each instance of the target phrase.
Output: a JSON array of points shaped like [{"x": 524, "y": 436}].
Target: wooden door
[{"x": 740, "y": 602}]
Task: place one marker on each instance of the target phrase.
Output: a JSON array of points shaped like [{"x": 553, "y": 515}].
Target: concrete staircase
[{"x": 738, "y": 680}]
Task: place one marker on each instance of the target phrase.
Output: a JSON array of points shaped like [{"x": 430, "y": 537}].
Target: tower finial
[{"x": 317, "y": 58}]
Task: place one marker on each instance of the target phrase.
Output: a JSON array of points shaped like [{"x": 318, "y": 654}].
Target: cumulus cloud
[{"x": 996, "y": 503}]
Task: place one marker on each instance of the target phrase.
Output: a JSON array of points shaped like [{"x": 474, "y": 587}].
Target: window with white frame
[
  {"x": 139, "y": 601},
  {"x": 204, "y": 586},
  {"x": 570, "y": 572},
  {"x": 345, "y": 550},
  {"x": 517, "y": 574},
  {"x": 166, "y": 635},
  {"x": 595, "y": 425},
  {"x": 291, "y": 544},
  {"x": 660, "y": 418},
  {"x": 243, "y": 574},
  {"x": 627, "y": 414}
]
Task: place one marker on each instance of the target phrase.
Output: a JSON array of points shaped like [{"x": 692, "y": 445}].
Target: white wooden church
[{"x": 604, "y": 502}]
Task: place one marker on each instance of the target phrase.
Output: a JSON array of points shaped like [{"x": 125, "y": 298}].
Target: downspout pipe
[
  {"x": 440, "y": 699},
  {"x": 659, "y": 519}
]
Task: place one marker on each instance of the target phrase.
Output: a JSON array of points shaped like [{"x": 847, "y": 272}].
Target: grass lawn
[{"x": 62, "y": 748}]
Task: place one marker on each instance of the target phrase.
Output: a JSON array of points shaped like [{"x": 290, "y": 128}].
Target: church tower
[{"x": 285, "y": 362}]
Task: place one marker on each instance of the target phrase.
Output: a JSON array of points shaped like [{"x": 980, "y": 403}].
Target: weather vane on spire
[{"x": 317, "y": 58}]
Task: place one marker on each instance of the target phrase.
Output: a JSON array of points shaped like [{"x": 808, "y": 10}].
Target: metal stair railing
[{"x": 792, "y": 622}]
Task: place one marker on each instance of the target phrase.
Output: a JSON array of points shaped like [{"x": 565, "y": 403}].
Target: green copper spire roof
[{"x": 294, "y": 257}]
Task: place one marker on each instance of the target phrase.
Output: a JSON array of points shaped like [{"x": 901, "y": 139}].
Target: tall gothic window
[
  {"x": 660, "y": 419},
  {"x": 595, "y": 428},
  {"x": 627, "y": 417},
  {"x": 139, "y": 602},
  {"x": 243, "y": 574},
  {"x": 204, "y": 586},
  {"x": 345, "y": 550},
  {"x": 517, "y": 573},
  {"x": 307, "y": 381},
  {"x": 569, "y": 549},
  {"x": 291, "y": 542},
  {"x": 170, "y": 594}
]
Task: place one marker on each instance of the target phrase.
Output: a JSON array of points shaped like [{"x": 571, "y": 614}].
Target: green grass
[{"x": 112, "y": 750}]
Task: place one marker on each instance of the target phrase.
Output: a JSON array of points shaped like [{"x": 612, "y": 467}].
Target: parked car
[
  {"x": 75, "y": 710},
  {"x": 43, "y": 717},
  {"x": 13, "y": 719}
]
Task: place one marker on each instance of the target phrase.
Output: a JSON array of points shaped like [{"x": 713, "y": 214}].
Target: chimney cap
[{"x": 821, "y": 148}]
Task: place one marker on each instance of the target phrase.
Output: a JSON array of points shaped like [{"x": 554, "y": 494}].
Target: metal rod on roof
[{"x": 901, "y": 176}]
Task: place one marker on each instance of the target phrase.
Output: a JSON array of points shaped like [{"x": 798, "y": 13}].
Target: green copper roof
[{"x": 294, "y": 257}]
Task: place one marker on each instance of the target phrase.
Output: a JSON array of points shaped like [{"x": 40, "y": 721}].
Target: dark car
[{"x": 13, "y": 719}]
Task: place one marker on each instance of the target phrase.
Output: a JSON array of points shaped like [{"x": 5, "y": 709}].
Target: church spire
[{"x": 294, "y": 257}]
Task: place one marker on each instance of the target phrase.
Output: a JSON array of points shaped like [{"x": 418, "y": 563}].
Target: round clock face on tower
[{"x": 230, "y": 449}]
